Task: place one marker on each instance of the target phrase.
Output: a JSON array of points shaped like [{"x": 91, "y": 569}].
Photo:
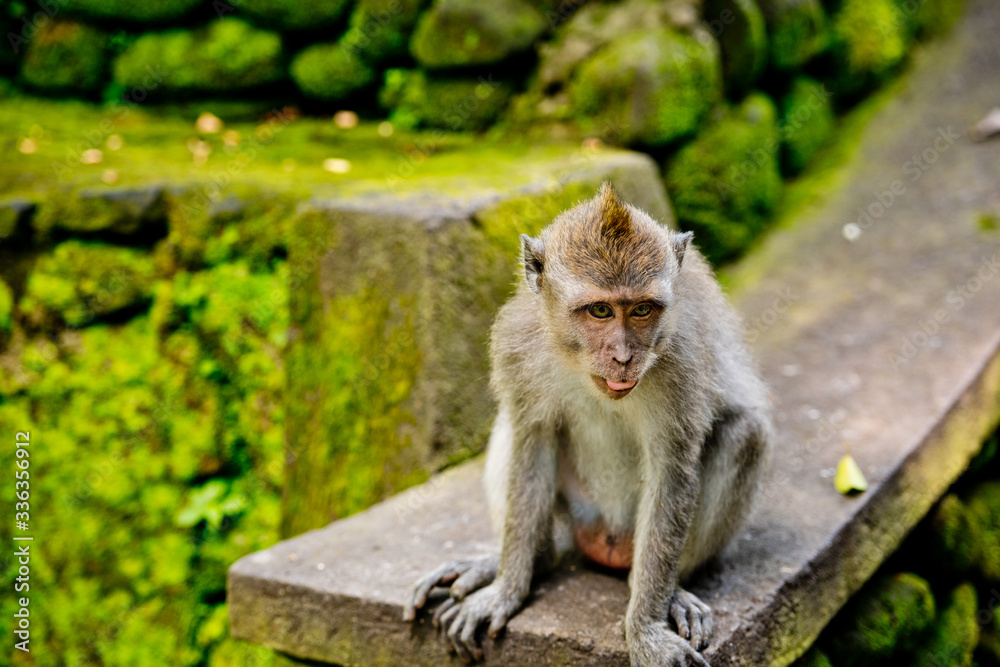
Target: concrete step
[{"x": 888, "y": 344}]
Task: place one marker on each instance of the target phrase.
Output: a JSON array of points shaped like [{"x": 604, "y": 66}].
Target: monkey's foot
[
  {"x": 692, "y": 617},
  {"x": 464, "y": 577},
  {"x": 655, "y": 645},
  {"x": 461, "y": 619}
]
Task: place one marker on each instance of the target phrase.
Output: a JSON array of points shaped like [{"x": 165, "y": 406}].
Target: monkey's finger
[
  {"x": 474, "y": 579},
  {"x": 707, "y": 628},
  {"x": 696, "y": 632},
  {"x": 497, "y": 622},
  {"x": 453, "y": 636},
  {"x": 448, "y": 616},
  {"x": 468, "y": 639},
  {"x": 679, "y": 614},
  {"x": 442, "y": 608},
  {"x": 418, "y": 597}
]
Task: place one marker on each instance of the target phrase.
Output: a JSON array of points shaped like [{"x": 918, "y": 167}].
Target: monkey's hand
[
  {"x": 656, "y": 645},
  {"x": 692, "y": 617},
  {"x": 463, "y": 576},
  {"x": 462, "y": 618}
]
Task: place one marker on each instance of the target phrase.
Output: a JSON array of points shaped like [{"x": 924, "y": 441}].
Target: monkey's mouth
[{"x": 614, "y": 388}]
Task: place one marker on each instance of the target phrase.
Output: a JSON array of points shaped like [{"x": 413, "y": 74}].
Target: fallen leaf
[{"x": 849, "y": 478}]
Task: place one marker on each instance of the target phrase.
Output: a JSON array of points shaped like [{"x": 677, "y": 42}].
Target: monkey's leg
[
  {"x": 463, "y": 576},
  {"x": 732, "y": 462}
]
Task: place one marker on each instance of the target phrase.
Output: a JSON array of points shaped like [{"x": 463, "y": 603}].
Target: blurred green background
[{"x": 143, "y": 321}]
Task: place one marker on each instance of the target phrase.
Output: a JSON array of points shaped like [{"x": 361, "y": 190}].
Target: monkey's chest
[{"x": 600, "y": 474}]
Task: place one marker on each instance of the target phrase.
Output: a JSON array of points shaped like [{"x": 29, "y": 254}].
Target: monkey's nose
[{"x": 622, "y": 357}]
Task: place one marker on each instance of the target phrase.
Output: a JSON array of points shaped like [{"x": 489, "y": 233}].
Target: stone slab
[{"x": 889, "y": 344}]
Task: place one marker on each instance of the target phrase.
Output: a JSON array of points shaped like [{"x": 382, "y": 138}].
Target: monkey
[{"x": 632, "y": 426}]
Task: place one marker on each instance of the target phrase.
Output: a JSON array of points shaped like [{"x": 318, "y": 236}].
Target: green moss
[
  {"x": 460, "y": 105},
  {"x": 380, "y": 29},
  {"x": 353, "y": 430},
  {"x": 797, "y": 30},
  {"x": 13, "y": 213},
  {"x": 890, "y": 614},
  {"x": 154, "y": 11},
  {"x": 284, "y": 15},
  {"x": 650, "y": 87},
  {"x": 936, "y": 17},
  {"x": 984, "y": 514},
  {"x": 460, "y": 33},
  {"x": 122, "y": 211},
  {"x": 65, "y": 56},
  {"x": 227, "y": 55},
  {"x": 725, "y": 184},
  {"x": 954, "y": 635},
  {"x": 330, "y": 71},
  {"x": 245, "y": 226},
  {"x": 6, "y": 312},
  {"x": 739, "y": 27},
  {"x": 814, "y": 658},
  {"x": 952, "y": 539},
  {"x": 82, "y": 281},
  {"x": 870, "y": 38},
  {"x": 807, "y": 123}
]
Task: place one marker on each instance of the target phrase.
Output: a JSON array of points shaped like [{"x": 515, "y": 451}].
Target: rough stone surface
[
  {"x": 410, "y": 283},
  {"x": 830, "y": 319}
]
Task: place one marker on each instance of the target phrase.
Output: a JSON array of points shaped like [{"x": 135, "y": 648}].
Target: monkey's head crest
[{"x": 605, "y": 241}]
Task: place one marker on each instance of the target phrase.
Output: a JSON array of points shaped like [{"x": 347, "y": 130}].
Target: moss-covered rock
[
  {"x": 461, "y": 33},
  {"x": 650, "y": 88},
  {"x": 154, "y": 11},
  {"x": 380, "y": 29},
  {"x": 6, "y": 312},
  {"x": 950, "y": 538},
  {"x": 890, "y": 614},
  {"x": 286, "y": 15},
  {"x": 227, "y": 55},
  {"x": 460, "y": 105},
  {"x": 869, "y": 39},
  {"x": 725, "y": 184},
  {"x": 244, "y": 226},
  {"x": 80, "y": 281},
  {"x": 984, "y": 513},
  {"x": 65, "y": 56},
  {"x": 797, "y": 30},
  {"x": 15, "y": 213},
  {"x": 117, "y": 210},
  {"x": 330, "y": 71},
  {"x": 814, "y": 658},
  {"x": 738, "y": 25},
  {"x": 952, "y": 638},
  {"x": 807, "y": 122}
]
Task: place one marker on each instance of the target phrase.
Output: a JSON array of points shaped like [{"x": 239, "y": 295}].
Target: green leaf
[{"x": 849, "y": 478}]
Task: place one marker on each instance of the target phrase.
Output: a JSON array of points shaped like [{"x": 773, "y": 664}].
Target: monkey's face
[{"x": 612, "y": 336}]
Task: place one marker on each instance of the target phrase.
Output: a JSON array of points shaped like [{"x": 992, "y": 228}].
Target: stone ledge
[{"x": 842, "y": 333}]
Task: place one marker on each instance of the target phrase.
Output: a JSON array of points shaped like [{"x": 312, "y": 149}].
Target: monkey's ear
[
  {"x": 680, "y": 243},
  {"x": 533, "y": 253}
]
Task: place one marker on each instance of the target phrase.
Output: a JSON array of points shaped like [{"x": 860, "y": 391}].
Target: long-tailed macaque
[{"x": 632, "y": 426}]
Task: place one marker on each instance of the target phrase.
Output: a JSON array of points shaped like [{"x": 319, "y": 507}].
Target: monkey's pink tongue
[{"x": 620, "y": 386}]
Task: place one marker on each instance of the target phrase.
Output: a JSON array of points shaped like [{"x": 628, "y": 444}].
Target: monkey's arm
[
  {"x": 666, "y": 508},
  {"x": 531, "y": 492}
]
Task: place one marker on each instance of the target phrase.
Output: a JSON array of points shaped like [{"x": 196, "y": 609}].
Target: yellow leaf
[{"x": 849, "y": 478}]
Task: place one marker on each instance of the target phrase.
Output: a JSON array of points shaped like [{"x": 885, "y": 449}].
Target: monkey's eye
[
  {"x": 642, "y": 310},
  {"x": 601, "y": 311}
]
